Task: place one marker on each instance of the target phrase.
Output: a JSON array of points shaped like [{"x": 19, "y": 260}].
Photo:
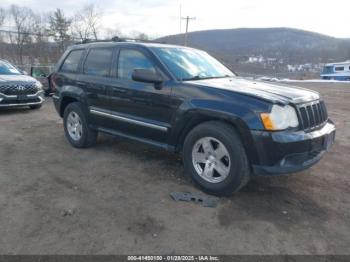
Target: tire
[
  {"x": 74, "y": 119},
  {"x": 225, "y": 175},
  {"x": 35, "y": 106}
]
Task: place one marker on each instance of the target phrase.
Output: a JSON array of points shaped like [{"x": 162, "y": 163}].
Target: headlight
[
  {"x": 38, "y": 85},
  {"x": 280, "y": 118}
]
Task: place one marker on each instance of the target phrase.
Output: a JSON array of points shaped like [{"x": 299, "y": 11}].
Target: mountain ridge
[{"x": 289, "y": 46}]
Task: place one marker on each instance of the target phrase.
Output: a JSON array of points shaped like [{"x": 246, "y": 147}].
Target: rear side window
[
  {"x": 71, "y": 62},
  {"x": 98, "y": 62},
  {"x": 339, "y": 68},
  {"x": 129, "y": 60}
]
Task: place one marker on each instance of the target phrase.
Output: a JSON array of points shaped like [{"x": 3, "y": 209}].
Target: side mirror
[{"x": 147, "y": 76}]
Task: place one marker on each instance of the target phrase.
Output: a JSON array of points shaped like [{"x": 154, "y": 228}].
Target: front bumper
[
  {"x": 291, "y": 151},
  {"x": 21, "y": 100}
]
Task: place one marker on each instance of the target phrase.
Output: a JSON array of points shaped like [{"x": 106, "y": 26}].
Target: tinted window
[
  {"x": 129, "y": 60},
  {"x": 339, "y": 68},
  {"x": 71, "y": 63},
  {"x": 98, "y": 62}
]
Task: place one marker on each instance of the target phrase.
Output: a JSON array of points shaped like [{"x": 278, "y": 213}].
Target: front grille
[
  {"x": 18, "y": 89},
  {"x": 312, "y": 115},
  {"x": 18, "y": 102}
]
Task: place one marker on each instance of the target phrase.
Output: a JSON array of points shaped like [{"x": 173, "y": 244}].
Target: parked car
[
  {"x": 183, "y": 100},
  {"x": 18, "y": 89}
]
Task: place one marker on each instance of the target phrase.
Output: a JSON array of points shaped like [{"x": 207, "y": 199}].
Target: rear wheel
[
  {"x": 215, "y": 158},
  {"x": 76, "y": 127}
]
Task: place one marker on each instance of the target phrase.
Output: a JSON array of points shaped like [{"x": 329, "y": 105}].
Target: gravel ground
[{"x": 114, "y": 198}]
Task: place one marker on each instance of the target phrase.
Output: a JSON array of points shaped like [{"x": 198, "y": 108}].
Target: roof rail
[{"x": 118, "y": 39}]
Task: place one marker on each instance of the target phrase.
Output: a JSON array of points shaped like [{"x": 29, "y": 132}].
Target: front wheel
[
  {"x": 76, "y": 127},
  {"x": 215, "y": 158}
]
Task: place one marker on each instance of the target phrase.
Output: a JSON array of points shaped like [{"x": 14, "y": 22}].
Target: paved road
[{"x": 114, "y": 198}]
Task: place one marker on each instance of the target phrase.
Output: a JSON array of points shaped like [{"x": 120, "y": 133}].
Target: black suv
[
  {"x": 183, "y": 100},
  {"x": 17, "y": 89}
]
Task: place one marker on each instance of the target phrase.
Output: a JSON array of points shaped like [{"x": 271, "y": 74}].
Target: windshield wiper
[{"x": 197, "y": 77}]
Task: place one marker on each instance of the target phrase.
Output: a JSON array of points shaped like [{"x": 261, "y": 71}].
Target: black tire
[
  {"x": 88, "y": 136},
  {"x": 35, "y": 106},
  {"x": 239, "y": 170}
]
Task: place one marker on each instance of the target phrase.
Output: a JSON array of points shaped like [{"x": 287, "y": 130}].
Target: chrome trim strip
[
  {"x": 128, "y": 120},
  {"x": 24, "y": 104}
]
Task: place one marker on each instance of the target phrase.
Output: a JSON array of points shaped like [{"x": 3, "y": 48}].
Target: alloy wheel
[
  {"x": 211, "y": 159},
  {"x": 74, "y": 126}
]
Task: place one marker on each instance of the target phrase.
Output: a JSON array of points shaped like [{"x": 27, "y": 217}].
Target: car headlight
[
  {"x": 280, "y": 118},
  {"x": 38, "y": 85}
]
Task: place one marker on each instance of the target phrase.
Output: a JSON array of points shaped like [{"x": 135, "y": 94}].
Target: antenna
[{"x": 187, "y": 18}]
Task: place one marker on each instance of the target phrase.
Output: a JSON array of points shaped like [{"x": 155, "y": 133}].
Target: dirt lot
[{"x": 114, "y": 198}]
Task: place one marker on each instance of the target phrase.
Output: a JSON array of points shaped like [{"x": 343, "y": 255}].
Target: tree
[
  {"x": 24, "y": 21},
  {"x": 2, "y": 19},
  {"x": 142, "y": 36},
  {"x": 40, "y": 51},
  {"x": 59, "y": 27},
  {"x": 93, "y": 18},
  {"x": 109, "y": 33},
  {"x": 86, "y": 23},
  {"x": 139, "y": 35},
  {"x": 2, "y": 16}
]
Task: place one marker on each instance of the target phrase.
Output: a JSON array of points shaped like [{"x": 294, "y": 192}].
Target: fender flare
[
  {"x": 186, "y": 120},
  {"x": 71, "y": 92}
]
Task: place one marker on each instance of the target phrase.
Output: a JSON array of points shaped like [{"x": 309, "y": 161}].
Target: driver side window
[{"x": 129, "y": 60}]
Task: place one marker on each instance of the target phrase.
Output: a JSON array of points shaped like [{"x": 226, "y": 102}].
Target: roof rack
[{"x": 118, "y": 39}]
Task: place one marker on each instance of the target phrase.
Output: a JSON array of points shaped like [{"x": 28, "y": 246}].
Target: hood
[
  {"x": 16, "y": 79},
  {"x": 280, "y": 93}
]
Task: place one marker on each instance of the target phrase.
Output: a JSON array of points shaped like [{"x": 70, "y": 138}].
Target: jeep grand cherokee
[{"x": 227, "y": 128}]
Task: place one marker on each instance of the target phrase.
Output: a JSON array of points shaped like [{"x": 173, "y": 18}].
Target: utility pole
[
  {"x": 180, "y": 18},
  {"x": 187, "y": 18}
]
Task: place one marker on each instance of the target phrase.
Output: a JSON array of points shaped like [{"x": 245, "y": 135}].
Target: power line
[
  {"x": 187, "y": 18},
  {"x": 33, "y": 34},
  {"x": 23, "y": 33}
]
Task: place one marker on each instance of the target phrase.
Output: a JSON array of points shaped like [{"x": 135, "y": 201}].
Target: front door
[{"x": 139, "y": 108}]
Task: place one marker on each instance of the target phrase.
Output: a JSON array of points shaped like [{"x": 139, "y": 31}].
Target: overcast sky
[{"x": 161, "y": 17}]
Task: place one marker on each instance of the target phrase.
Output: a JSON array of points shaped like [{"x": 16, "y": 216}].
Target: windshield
[
  {"x": 8, "y": 69},
  {"x": 191, "y": 64}
]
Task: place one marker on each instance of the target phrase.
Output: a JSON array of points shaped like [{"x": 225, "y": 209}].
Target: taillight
[{"x": 53, "y": 82}]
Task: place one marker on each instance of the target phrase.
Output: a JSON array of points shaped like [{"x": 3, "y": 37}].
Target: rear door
[
  {"x": 95, "y": 79},
  {"x": 66, "y": 75}
]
